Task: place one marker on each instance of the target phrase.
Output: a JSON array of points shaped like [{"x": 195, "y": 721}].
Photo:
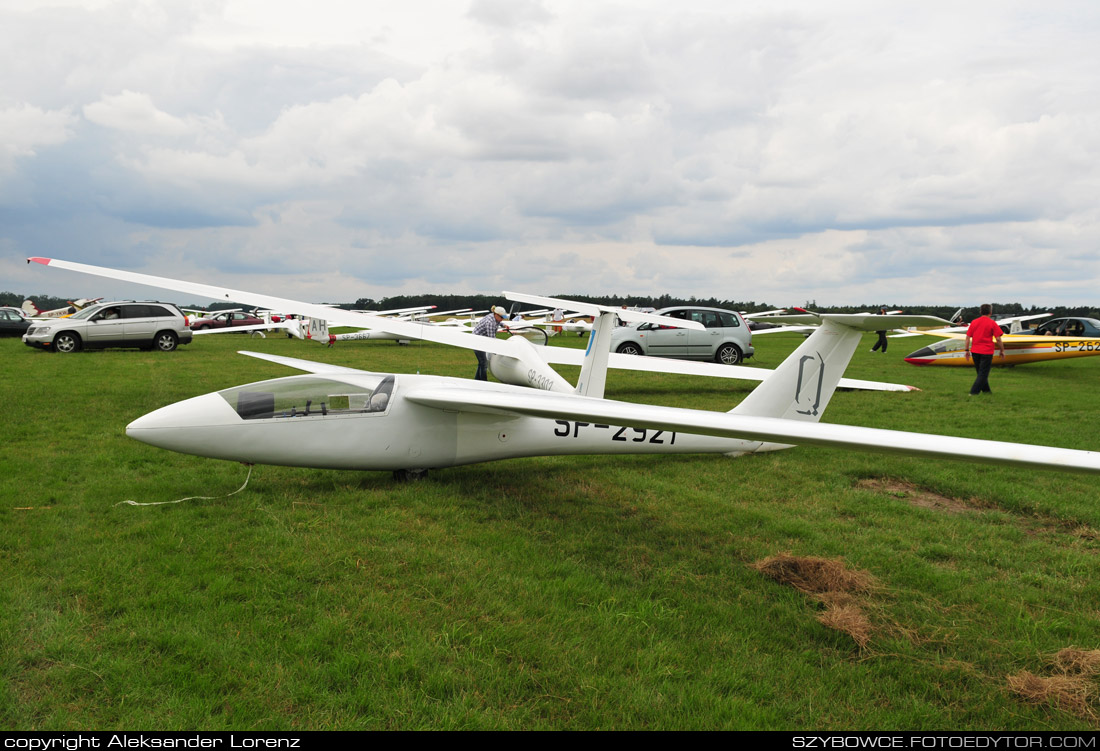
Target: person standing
[
  {"x": 979, "y": 343},
  {"x": 487, "y": 326},
  {"x": 557, "y": 317},
  {"x": 881, "y": 343}
]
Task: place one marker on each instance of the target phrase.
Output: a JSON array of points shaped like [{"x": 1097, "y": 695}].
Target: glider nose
[
  {"x": 184, "y": 426},
  {"x": 922, "y": 356}
]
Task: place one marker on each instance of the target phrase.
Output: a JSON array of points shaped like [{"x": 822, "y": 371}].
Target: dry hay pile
[
  {"x": 1073, "y": 689},
  {"x": 1080, "y": 661},
  {"x": 831, "y": 583}
]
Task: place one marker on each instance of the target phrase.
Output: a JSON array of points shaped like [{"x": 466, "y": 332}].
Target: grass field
[{"x": 572, "y": 592}]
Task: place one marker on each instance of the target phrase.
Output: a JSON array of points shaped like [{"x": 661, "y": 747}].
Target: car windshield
[
  {"x": 87, "y": 312},
  {"x": 310, "y": 396}
]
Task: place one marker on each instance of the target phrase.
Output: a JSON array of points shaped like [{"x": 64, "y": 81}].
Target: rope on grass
[{"x": 194, "y": 497}]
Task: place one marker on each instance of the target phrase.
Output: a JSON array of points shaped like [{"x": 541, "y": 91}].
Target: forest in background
[{"x": 483, "y": 302}]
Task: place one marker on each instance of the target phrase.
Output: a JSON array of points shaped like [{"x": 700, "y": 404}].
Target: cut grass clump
[
  {"x": 831, "y": 583},
  {"x": 850, "y": 619},
  {"x": 1079, "y": 661},
  {"x": 1073, "y": 690},
  {"x": 815, "y": 575},
  {"x": 1070, "y": 693}
]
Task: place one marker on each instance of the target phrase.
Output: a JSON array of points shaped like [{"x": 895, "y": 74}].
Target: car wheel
[
  {"x": 728, "y": 354},
  {"x": 66, "y": 341},
  {"x": 166, "y": 341},
  {"x": 630, "y": 348}
]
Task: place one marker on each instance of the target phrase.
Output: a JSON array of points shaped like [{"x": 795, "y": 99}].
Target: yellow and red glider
[{"x": 1019, "y": 349}]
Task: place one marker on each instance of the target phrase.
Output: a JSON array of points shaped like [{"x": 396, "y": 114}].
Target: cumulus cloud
[
  {"x": 854, "y": 151},
  {"x": 27, "y": 128},
  {"x": 509, "y": 14},
  {"x": 134, "y": 114}
]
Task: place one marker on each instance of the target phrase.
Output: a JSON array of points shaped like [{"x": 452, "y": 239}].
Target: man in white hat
[{"x": 487, "y": 326}]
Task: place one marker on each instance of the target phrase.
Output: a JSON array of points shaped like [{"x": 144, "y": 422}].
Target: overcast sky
[{"x": 778, "y": 151}]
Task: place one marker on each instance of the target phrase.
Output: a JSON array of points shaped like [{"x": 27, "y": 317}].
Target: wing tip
[{"x": 39, "y": 259}]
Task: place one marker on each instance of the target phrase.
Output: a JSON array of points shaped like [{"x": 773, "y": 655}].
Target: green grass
[{"x": 568, "y": 592}]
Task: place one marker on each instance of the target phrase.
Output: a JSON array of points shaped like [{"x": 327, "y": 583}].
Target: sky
[{"x": 781, "y": 152}]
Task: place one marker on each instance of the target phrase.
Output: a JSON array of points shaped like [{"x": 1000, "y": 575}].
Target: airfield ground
[{"x": 572, "y": 592}]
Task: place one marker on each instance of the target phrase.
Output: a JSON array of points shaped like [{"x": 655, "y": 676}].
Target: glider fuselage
[
  {"x": 1018, "y": 351},
  {"x": 345, "y": 423}
]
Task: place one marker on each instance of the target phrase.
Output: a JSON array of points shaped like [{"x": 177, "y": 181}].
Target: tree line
[{"x": 484, "y": 302}]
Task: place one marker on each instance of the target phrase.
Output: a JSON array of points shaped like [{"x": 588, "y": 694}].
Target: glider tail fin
[
  {"x": 593, "y": 378},
  {"x": 802, "y": 385}
]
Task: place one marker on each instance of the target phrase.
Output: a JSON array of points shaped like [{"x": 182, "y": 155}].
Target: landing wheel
[{"x": 410, "y": 475}]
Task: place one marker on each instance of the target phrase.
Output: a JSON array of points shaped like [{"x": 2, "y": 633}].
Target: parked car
[
  {"x": 1069, "y": 327},
  {"x": 13, "y": 322},
  {"x": 726, "y": 338},
  {"x": 225, "y": 320},
  {"x": 147, "y": 325}
]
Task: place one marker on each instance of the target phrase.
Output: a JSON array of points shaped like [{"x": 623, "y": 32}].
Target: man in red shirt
[{"x": 979, "y": 343}]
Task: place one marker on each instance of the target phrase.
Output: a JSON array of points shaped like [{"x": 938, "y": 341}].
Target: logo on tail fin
[{"x": 807, "y": 391}]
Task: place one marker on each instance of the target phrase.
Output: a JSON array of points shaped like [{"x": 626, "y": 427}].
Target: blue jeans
[{"x": 482, "y": 366}]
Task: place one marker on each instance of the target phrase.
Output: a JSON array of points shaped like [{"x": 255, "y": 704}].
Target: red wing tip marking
[
  {"x": 38, "y": 259},
  {"x": 919, "y": 361}
]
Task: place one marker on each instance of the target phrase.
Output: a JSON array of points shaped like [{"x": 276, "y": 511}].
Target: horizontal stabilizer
[{"x": 860, "y": 321}]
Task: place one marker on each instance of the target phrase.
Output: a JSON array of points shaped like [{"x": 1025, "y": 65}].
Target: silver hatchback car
[
  {"x": 148, "y": 325},
  {"x": 726, "y": 338}
]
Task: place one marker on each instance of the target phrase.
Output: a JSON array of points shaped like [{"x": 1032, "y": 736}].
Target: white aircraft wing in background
[
  {"x": 515, "y": 364},
  {"x": 1013, "y": 322},
  {"x": 335, "y": 316}
]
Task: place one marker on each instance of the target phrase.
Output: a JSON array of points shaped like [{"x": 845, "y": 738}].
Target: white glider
[{"x": 343, "y": 418}]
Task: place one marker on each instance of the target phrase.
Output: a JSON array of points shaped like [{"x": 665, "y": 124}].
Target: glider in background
[
  {"x": 32, "y": 310},
  {"x": 1019, "y": 348},
  {"x": 515, "y": 360}
]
